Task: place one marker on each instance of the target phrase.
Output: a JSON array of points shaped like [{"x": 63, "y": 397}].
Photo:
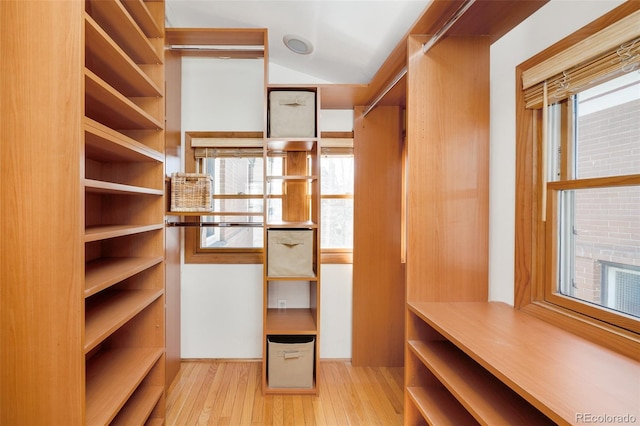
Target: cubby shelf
[
  {"x": 108, "y": 106},
  {"x": 112, "y": 377},
  {"x": 291, "y": 224},
  {"x": 290, "y": 144},
  {"x": 139, "y": 406},
  {"x": 112, "y": 311},
  {"x": 123, "y": 29},
  {"x": 100, "y": 187},
  {"x": 291, "y": 321},
  {"x": 104, "y": 272},
  {"x": 438, "y": 407},
  {"x": 108, "y": 145},
  {"x": 113, "y": 64},
  {"x": 97, "y": 233},
  {"x": 494, "y": 403},
  {"x": 292, "y": 178},
  {"x": 292, "y": 278},
  {"x": 142, "y": 15}
]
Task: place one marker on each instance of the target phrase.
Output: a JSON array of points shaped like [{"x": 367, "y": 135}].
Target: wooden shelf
[
  {"x": 106, "y": 58},
  {"x": 124, "y": 30},
  {"x": 100, "y": 187},
  {"x": 290, "y": 144},
  {"x": 106, "y": 105},
  {"x": 292, "y": 178},
  {"x": 107, "y": 145},
  {"x": 291, "y": 225},
  {"x": 292, "y": 278},
  {"x": 139, "y": 406},
  {"x": 290, "y": 321},
  {"x": 439, "y": 407},
  {"x": 105, "y": 272},
  {"x": 213, "y": 213},
  {"x": 495, "y": 351},
  {"x": 112, "y": 311},
  {"x": 140, "y": 12},
  {"x": 112, "y": 377},
  {"x": 98, "y": 233},
  {"x": 486, "y": 397}
]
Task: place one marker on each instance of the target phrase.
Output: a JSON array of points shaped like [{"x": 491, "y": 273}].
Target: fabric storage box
[
  {"x": 191, "y": 192},
  {"x": 290, "y": 253},
  {"x": 290, "y": 363},
  {"x": 292, "y": 114}
]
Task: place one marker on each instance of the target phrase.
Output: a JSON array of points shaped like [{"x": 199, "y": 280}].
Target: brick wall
[{"x": 608, "y": 224}]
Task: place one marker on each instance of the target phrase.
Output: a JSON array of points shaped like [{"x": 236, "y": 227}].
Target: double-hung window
[
  {"x": 593, "y": 185},
  {"x": 578, "y": 235}
]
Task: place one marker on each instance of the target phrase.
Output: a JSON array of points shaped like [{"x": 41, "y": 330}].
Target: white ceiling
[{"x": 351, "y": 38}]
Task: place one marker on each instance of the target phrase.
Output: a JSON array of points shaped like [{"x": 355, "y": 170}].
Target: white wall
[
  {"x": 222, "y": 304},
  {"x": 551, "y": 23}
]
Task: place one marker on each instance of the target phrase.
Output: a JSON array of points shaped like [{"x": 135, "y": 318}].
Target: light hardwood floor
[{"x": 229, "y": 393}]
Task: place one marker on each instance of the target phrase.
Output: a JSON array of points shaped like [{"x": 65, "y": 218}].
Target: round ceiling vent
[{"x": 298, "y": 44}]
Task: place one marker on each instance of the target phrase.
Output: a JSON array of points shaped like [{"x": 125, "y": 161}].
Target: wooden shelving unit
[
  {"x": 498, "y": 365},
  {"x": 85, "y": 296},
  {"x": 447, "y": 221},
  {"x": 293, "y": 192},
  {"x": 124, "y": 212}
]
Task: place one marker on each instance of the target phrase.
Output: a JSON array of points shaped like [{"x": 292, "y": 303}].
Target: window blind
[{"x": 606, "y": 54}]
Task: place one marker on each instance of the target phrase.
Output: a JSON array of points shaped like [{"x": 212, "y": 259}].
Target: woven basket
[{"x": 191, "y": 192}]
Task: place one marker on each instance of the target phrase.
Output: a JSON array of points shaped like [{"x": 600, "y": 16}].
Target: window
[
  {"x": 598, "y": 204},
  {"x": 237, "y": 188},
  {"x": 236, "y": 163},
  {"x": 578, "y": 184},
  {"x": 336, "y": 191}
]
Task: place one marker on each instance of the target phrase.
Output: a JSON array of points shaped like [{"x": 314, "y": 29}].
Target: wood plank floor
[{"x": 229, "y": 393}]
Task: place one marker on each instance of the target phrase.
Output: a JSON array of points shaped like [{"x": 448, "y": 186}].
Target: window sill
[{"x": 599, "y": 333}]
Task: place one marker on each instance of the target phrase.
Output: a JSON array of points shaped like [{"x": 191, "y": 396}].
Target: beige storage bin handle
[
  {"x": 293, "y": 103},
  {"x": 291, "y": 355}
]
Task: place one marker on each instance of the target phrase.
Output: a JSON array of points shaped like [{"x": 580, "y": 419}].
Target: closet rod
[
  {"x": 382, "y": 94},
  {"x": 443, "y": 30},
  {"x": 425, "y": 48}
]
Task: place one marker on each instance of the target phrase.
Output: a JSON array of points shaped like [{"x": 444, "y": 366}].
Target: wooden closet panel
[
  {"x": 173, "y": 95},
  {"x": 378, "y": 274},
  {"x": 42, "y": 260},
  {"x": 448, "y": 170}
]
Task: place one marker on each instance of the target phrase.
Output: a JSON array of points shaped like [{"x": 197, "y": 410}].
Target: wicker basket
[{"x": 191, "y": 192}]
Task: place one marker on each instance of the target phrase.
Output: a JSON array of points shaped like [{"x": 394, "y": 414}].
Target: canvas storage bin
[
  {"x": 191, "y": 192},
  {"x": 290, "y": 253},
  {"x": 292, "y": 114},
  {"x": 290, "y": 361}
]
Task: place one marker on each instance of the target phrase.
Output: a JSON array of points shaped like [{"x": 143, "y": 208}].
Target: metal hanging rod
[
  {"x": 443, "y": 30},
  {"x": 425, "y": 48},
  {"x": 387, "y": 89}
]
